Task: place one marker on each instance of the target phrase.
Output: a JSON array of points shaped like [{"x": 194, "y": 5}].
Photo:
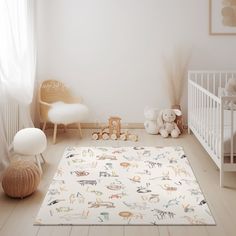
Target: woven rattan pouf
[{"x": 21, "y": 179}]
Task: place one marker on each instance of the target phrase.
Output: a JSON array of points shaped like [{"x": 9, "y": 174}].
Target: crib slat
[
  {"x": 232, "y": 134},
  {"x": 214, "y": 114},
  {"x": 208, "y": 82},
  {"x": 205, "y": 112},
  {"x": 197, "y": 105},
  {"x": 214, "y": 84},
  {"x": 217, "y": 131},
  {"x": 207, "y": 123},
  {"x": 222, "y": 141},
  {"x": 190, "y": 104},
  {"x": 210, "y": 126},
  {"x": 194, "y": 106},
  {"x": 201, "y": 114}
]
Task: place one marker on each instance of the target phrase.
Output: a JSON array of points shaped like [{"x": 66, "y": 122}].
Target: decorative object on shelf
[
  {"x": 113, "y": 132},
  {"x": 222, "y": 17},
  {"x": 175, "y": 67},
  {"x": 166, "y": 123},
  {"x": 150, "y": 123},
  {"x": 21, "y": 179}
]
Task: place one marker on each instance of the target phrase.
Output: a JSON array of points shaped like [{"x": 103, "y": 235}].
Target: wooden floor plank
[
  {"x": 20, "y": 222},
  {"x": 141, "y": 230},
  {"x": 163, "y": 231},
  {"x": 79, "y": 231},
  {"x": 54, "y": 231},
  {"x": 7, "y": 206},
  {"x": 177, "y": 231},
  {"x": 106, "y": 231},
  {"x": 196, "y": 230}
]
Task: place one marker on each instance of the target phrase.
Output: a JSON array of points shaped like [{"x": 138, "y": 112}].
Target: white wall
[{"x": 109, "y": 51}]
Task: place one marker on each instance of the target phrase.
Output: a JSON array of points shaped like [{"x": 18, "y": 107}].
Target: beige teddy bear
[
  {"x": 230, "y": 90},
  {"x": 166, "y": 123}
]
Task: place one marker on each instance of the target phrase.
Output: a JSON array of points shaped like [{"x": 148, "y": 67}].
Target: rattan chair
[{"x": 51, "y": 92}]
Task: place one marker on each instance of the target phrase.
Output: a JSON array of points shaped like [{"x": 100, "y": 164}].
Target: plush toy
[
  {"x": 150, "y": 123},
  {"x": 166, "y": 124},
  {"x": 230, "y": 87},
  {"x": 230, "y": 90}
]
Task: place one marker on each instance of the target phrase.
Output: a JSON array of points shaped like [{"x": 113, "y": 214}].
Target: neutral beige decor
[
  {"x": 222, "y": 17},
  {"x": 21, "y": 179},
  {"x": 58, "y": 106},
  {"x": 175, "y": 68}
]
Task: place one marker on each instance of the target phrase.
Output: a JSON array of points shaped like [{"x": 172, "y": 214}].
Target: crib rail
[
  {"x": 211, "y": 80},
  {"x": 206, "y": 113},
  {"x": 211, "y": 116},
  {"x": 204, "y": 119}
]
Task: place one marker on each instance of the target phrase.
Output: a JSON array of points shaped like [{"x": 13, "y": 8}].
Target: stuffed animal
[
  {"x": 166, "y": 124},
  {"x": 150, "y": 123},
  {"x": 230, "y": 90},
  {"x": 230, "y": 87}
]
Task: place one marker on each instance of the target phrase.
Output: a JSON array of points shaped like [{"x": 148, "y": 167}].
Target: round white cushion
[
  {"x": 64, "y": 113},
  {"x": 30, "y": 141}
]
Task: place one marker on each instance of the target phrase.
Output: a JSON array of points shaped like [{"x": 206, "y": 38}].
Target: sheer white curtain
[
  {"x": 17, "y": 58},
  {"x": 4, "y": 153}
]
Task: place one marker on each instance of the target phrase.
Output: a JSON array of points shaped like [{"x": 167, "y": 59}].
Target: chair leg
[
  {"x": 44, "y": 125},
  {"x": 55, "y": 133},
  {"x": 42, "y": 158},
  {"x": 38, "y": 163},
  {"x": 80, "y": 131}
]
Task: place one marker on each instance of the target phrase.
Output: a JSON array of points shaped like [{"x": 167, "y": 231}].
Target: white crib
[{"x": 210, "y": 120}]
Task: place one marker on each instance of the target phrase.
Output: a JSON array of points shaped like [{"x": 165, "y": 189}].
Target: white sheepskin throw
[{"x": 64, "y": 113}]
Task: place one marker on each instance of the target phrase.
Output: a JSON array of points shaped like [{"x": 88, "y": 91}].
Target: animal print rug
[{"x": 124, "y": 186}]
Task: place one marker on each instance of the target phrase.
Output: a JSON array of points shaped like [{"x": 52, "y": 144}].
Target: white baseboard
[{"x": 97, "y": 126}]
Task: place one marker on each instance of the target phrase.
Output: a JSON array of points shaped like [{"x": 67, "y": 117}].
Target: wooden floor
[{"x": 17, "y": 216}]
